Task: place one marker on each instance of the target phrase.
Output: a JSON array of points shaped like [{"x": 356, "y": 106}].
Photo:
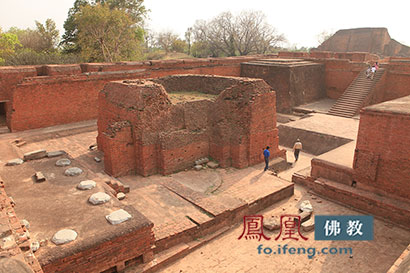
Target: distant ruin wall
[
  {"x": 397, "y": 83},
  {"x": 294, "y": 84},
  {"x": 373, "y": 40},
  {"x": 41, "y": 96},
  {"x": 47, "y": 95}
]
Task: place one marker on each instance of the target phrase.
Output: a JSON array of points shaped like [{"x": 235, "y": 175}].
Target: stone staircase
[{"x": 349, "y": 104}]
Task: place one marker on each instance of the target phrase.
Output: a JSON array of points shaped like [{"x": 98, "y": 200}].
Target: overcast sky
[{"x": 299, "y": 21}]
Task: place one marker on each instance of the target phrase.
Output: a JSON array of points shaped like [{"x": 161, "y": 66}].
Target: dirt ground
[
  {"x": 228, "y": 254},
  {"x": 179, "y": 97}
]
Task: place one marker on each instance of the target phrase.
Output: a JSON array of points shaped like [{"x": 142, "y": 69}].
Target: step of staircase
[{"x": 348, "y": 105}]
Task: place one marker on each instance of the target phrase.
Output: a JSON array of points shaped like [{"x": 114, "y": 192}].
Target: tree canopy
[
  {"x": 135, "y": 9},
  {"x": 106, "y": 34},
  {"x": 229, "y": 35},
  {"x": 8, "y": 43}
]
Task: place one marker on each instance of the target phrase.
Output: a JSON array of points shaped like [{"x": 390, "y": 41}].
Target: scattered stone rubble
[
  {"x": 38, "y": 154},
  {"x": 63, "y": 162},
  {"x": 271, "y": 223},
  {"x": 55, "y": 154},
  {"x": 86, "y": 185},
  {"x": 306, "y": 206},
  {"x": 204, "y": 163},
  {"x": 306, "y": 218},
  {"x": 99, "y": 198},
  {"x": 118, "y": 216},
  {"x": 74, "y": 171},
  {"x": 14, "y": 162},
  {"x": 212, "y": 165},
  {"x": 39, "y": 177},
  {"x": 120, "y": 196},
  {"x": 64, "y": 236}
]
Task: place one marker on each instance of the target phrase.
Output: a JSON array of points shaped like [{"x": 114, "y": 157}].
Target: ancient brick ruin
[
  {"x": 231, "y": 113},
  {"x": 141, "y": 131},
  {"x": 295, "y": 81},
  {"x": 373, "y": 40}
]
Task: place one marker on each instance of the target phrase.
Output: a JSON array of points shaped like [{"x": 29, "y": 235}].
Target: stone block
[
  {"x": 55, "y": 154},
  {"x": 38, "y": 154},
  {"x": 14, "y": 162},
  {"x": 212, "y": 165},
  {"x": 271, "y": 223},
  {"x": 73, "y": 171},
  {"x": 121, "y": 196},
  {"x": 306, "y": 206},
  {"x": 39, "y": 177},
  {"x": 308, "y": 225},
  {"x": 99, "y": 198},
  {"x": 86, "y": 185},
  {"x": 126, "y": 188},
  {"x": 63, "y": 162},
  {"x": 118, "y": 216},
  {"x": 64, "y": 236}
]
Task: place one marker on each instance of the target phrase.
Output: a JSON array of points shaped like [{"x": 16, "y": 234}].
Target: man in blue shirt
[{"x": 266, "y": 155}]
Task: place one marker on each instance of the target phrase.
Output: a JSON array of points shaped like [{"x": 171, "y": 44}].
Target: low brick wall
[{"x": 12, "y": 230}]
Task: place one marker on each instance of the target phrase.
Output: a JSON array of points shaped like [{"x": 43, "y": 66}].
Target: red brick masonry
[{"x": 141, "y": 131}]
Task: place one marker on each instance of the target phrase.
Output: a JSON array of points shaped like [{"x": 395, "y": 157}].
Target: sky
[{"x": 300, "y": 21}]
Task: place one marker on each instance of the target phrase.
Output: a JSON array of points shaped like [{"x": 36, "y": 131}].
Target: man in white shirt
[{"x": 297, "y": 147}]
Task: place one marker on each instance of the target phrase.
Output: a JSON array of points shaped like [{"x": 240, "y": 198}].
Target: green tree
[
  {"x": 49, "y": 36},
  {"x": 69, "y": 40},
  {"x": 8, "y": 43},
  {"x": 107, "y": 35},
  {"x": 42, "y": 39},
  {"x": 179, "y": 45},
  {"x": 134, "y": 8}
]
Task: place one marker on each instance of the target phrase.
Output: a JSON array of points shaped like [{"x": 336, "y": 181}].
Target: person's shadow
[{"x": 256, "y": 177}]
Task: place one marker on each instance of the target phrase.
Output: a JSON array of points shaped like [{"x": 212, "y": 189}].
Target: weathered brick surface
[
  {"x": 166, "y": 137},
  {"x": 112, "y": 253},
  {"x": 331, "y": 171},
  {"x": 402, "y": 263},
  {"x": 68, "y": 93},
  {"x": 382, "y": 151},
  {"x": 10, "y": 226},
  {"x": 294, "y": 83},
  {"x": 375, "y": 204},
  {"x": 47, "y": 95}
]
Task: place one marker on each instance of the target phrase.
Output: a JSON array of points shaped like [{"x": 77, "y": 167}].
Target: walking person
[
  {"x": 373, "y": 72},
  {"x": 266, "y": 155},
  {"x": 297, "y": 147}
]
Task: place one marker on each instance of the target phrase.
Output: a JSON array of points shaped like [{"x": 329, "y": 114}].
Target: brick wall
[
  {"x": 41, "y": 96},
  {"x": 13, "y": 231},
  {"x": 331, "y": 171},
  {"x": 134, "y": 245},
  {"x": 166, "y": 137},
  {"x": 295, "y": 84},
  {"x": 397, "y": 80},
  {"x": 382, "y": 152}
]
